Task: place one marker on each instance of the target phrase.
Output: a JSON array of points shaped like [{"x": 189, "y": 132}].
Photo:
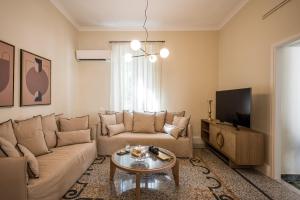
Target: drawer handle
[{"x": 220, "y": 140}]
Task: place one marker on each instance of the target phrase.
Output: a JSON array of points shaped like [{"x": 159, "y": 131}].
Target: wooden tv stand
[{"x": 243, "y": 147}]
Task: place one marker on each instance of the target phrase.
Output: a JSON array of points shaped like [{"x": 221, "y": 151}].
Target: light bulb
[
  {"x": 164, "y": 52},
  {"x": 153, "y": 58},
  {"x": 128, "y": 57},
  {"x": 135, "y": 45}
]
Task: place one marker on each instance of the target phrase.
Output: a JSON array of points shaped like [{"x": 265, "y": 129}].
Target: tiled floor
[{"x": 256, "y": 186}]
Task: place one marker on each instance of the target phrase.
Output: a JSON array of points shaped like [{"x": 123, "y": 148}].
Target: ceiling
[{"x": 92, "y": 15}]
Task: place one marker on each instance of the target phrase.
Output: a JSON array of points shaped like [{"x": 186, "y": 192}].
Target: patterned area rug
[{"x": 196, "y": 182}]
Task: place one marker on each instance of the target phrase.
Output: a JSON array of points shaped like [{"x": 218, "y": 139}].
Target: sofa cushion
[
  {"x": 115, "y": 129},
  {"x": 173, "y": 130},
  {"x": 170, "y": 116},
  {"x": 33, "y": 165},
  {"x": 128, "y": 120},
  {"x": 74, "y": 124},
  {"x": 107, "y": 120},
  {"x": 60, "y": 170},
  {"x": 30, "y": 134},
  {"x": 160, "y": 121},
  {"x": 119, "y": 116},
  {"x": 73, "y": 137},
  {"x": 49, "y": 128},
  {"x": 57, "y": 119},
  {"x": 181, "y": 122},
  {"x": 7, "y": 132},
  {"x": 7, "y": 149},
  {"x": 143, "y": 122}
]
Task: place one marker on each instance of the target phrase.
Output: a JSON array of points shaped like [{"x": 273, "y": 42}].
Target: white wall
[
  {"x": 37, "y": 26},
  {"x": 189, "y": 74},
  {"x": 288, "y": 88},
  {"x": 245, "y": 57}
]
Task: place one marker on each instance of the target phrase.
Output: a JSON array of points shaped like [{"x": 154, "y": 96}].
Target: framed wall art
[
  {"x": 7, "y": 65},
  {"x": 35, "y": 80}
]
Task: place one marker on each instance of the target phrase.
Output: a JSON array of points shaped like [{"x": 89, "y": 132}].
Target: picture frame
[
  {"x": 35, "y": 84},
  {"x": 7, "y": 70}
]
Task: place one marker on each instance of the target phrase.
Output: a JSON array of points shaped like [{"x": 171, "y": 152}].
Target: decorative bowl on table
[{"x": 140, "y": 153}]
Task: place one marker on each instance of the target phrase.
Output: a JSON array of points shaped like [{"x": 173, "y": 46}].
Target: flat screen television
[{"x": 234, "y": 106}]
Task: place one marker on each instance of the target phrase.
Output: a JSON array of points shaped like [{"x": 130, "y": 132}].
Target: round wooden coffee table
[{"x": 151, "y": 164}]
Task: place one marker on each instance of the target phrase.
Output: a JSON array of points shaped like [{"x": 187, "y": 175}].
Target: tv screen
[{"x": 234, "y": 106}]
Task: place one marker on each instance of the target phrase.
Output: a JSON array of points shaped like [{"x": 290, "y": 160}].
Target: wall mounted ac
[{"x": 102, "y": 55}]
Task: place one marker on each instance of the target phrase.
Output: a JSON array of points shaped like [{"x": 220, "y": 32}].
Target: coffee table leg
[
  {"x": 138, "y": 186},
  {"x": 112, "y": 170},
  {"x": 175, "y": 171}
]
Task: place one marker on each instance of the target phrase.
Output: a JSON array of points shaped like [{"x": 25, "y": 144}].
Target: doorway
[{"x": 286, "y": 111}]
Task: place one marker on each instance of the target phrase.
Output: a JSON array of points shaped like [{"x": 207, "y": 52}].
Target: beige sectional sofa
[
  {"x": 58, "y": 171},
  {"x": 181, "y": 146}
]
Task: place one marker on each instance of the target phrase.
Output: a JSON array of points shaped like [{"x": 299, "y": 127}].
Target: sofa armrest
[
  {"x": 13, "y": 181},
  {"x": 189, "y": 131}
]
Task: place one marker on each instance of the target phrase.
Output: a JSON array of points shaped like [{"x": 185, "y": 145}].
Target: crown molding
[
  {"x": 233, "y": 12},
  {"x": 65, "y": 13},
  {"x": 138, "y": 29}
]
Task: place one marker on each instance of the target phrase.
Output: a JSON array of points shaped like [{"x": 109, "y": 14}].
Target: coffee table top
[{"x": 151, "y": 163}]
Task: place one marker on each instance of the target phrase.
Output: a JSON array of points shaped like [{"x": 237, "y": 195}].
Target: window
[{"x": 135, "y": 85}]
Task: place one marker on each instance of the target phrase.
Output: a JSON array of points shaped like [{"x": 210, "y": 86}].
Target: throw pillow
[
  {"x": 29, "y": 133},
  {"x": 128, "y": 120},
  {"x": 74, "y": 124},
  {"x": 33, "y": 165},
  {"x": 160, "y": 121},
  {"x": 107, "y": 120},
  {"x": 49, "y": 129},
  {"x": 57, "y": 119},
  {"x": 143, "y": 122},
  {"x": 119, "y": 116},
  {"x": 7, "y": 132},
  {"x": 170, "y": 116},
  {"x": 115, "y": 129},
  {"x": 172, "y": 130},
  {"x": 181, "y": 122},
  {"x": 73, "y": 137},
  {"x": 7, "y": 149}
]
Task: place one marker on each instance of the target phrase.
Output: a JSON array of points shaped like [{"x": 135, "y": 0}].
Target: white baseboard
[{"x": 198, "y": 142}]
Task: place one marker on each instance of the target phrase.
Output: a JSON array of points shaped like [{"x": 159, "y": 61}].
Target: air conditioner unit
[{"x": 103, "y": 55}]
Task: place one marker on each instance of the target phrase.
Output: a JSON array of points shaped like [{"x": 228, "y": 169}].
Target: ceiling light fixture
[{"x": 136, "y": 46}]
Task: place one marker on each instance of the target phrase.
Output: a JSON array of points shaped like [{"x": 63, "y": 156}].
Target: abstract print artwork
[
  {"x": 35, "y": 79},
  {"x": 7, "y": 57}
]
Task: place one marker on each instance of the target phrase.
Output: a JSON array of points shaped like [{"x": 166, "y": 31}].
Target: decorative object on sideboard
[
  {"x": 35, "y": 80},
  {"x": 7, "y": 65},
  {"x": 209, "y": 109},
  {"x": 137, "y": 46}
]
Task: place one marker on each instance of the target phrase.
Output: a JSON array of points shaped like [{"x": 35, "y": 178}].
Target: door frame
[{"x": 275, "y": 135}]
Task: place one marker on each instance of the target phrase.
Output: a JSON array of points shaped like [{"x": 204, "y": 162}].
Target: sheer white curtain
[{"x": 135, "y": 85}]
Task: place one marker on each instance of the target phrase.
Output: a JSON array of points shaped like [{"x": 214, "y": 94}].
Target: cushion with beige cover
[
  {"x": 49, "y": 128},
  {"x": 160, "y": 121},
  {"x": 29, "y": 133},
  {"x": 74, "y": 124},
  {"x": 7, "y": 149},
  {"x": 181, "y": 122},
  {"x": 33, "y": 165},
  {"x": 107, "y": 120},
  {"x": 170, "y": 116},
  {"x": 115, "y": 129},
  {"x": 7, "y": 132},
  {"x": 172, "y": 130},
  {"x": 73, "y": 137},
  {"x": 143, "y": 122},
  {"x": 119, "y": 116},
  {"x": 128, "y": 120}
]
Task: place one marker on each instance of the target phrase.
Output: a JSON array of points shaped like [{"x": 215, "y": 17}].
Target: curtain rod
[{"x": 124, "y": 41}]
